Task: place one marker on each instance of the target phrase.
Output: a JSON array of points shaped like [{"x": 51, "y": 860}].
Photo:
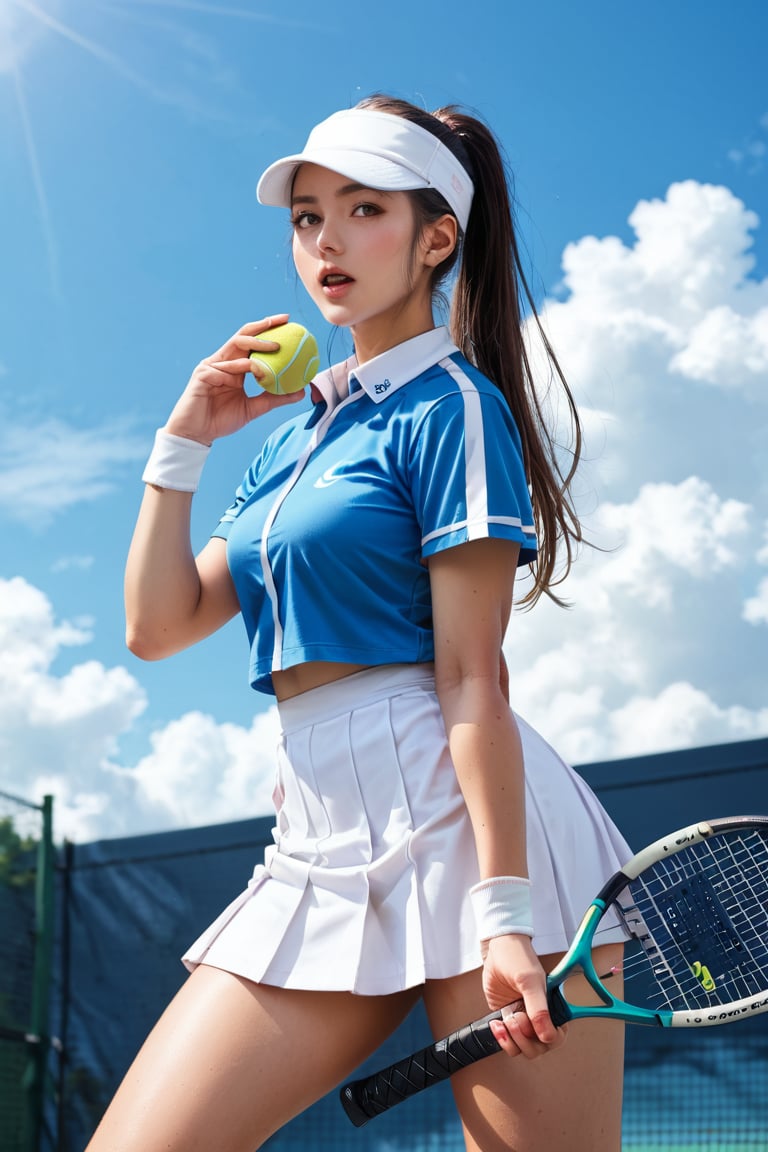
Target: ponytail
[{"x": 487, "y": 325}]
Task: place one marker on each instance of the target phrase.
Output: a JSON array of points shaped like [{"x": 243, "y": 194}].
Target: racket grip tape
[{"x": 363, "y": 1099}]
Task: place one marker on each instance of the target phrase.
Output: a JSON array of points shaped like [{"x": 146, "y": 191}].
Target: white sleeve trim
[{"x": 474, "y": 534}]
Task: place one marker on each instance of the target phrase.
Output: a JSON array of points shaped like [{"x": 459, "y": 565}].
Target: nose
[{"x": 329, "y": 237}]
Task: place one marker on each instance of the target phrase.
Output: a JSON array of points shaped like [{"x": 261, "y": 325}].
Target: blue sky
[{"x": 132, "y": 133}]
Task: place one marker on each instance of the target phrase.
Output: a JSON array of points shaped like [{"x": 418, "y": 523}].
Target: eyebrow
[{"x": 344, "y": 190}]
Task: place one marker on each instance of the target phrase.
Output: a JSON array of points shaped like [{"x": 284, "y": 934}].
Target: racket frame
[
  {"x": 578, "y": 958},
  {"x": 368, "y": 1097}
]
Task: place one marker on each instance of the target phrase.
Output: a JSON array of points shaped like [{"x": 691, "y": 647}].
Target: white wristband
[
  {"x": 502, "y": 906},
  {"x": 175, "y": 462}
]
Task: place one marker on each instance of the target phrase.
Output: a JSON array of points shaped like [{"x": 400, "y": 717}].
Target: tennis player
[{"x": 427, "y": 843}]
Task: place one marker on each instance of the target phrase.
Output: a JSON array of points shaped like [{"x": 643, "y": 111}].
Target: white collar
[
  {"x": 333, "y": 384},
  {"x": 385, "y": 374}
]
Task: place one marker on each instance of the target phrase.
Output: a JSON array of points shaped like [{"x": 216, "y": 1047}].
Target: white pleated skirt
[{"x": 365, "y": 888}]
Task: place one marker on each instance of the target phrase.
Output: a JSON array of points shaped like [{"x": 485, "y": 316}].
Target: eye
[
  {"x": 304, "y": 219},
  {"x": 367, "y": 210}
]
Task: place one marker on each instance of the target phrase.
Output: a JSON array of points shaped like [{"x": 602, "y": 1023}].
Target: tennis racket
[{"x": 695, "y": 909}]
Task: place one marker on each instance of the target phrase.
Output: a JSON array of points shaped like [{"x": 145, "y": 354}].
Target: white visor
[{"x": 379, "y": 150}]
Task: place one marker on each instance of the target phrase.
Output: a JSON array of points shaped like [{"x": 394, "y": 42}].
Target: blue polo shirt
[{"x": 410, "y": 453}]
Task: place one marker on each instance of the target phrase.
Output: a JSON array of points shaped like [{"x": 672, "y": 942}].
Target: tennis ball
[{"x": 294, "y": 364}]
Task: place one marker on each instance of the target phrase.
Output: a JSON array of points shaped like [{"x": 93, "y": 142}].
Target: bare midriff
[{"x": 304, "y": 677}]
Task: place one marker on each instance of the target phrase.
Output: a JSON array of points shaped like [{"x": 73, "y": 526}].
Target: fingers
[
  {"x": 210, "y": 368},
  {"x": 514, "y": 981},
  {"x": 538, "y": 1019},
  {"x": 217, "y": 399},
  {"x": 219, "y": 371},
  {"x": 253, "y": 327},
  {"x": 250, "y": 344},
  {"x": 518, "y": 1034},
  {"x": 246, "y": 339},
  {"x": 215, "y": 376}
]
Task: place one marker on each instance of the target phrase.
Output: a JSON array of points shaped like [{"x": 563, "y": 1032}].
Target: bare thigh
[
  {"x": 230, "y": 1062},
  {"x": 566, "y": 1101}
]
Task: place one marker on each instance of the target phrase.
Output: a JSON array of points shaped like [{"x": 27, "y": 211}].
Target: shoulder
[
  {"x": 454, "y": 375},
  {"x": 453, "y": 393}
]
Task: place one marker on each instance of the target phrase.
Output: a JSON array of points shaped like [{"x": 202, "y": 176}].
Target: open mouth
[{"x": 335, "y": 280}]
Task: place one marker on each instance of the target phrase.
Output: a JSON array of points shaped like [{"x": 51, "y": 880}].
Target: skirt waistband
[{"x": 351, "y": 692}]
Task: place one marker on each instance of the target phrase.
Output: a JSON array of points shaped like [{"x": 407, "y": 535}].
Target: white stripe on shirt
[{"x": 475, "y": 479}]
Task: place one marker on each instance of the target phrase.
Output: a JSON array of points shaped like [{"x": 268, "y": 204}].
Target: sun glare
[
  {"x": 25, "y": 25},
  {"x": 21, "y": 26}
]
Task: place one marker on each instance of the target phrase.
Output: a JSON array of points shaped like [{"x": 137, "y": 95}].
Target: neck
[{"x": 378, "y": 335}]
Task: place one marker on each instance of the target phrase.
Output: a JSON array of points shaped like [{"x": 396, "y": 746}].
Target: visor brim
[{"x": 276, "y": 184}]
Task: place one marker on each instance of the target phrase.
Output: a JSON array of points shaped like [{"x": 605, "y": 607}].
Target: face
[{"x": 354, "y": 252}]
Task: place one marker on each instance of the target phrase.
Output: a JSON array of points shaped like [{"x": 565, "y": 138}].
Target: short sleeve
[
  {"x": 467, "y": 475},
  {"x": 243, "y": 493}
]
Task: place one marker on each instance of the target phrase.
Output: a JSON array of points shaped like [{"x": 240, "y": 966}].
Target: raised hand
[{"x": 215, "y": 402}]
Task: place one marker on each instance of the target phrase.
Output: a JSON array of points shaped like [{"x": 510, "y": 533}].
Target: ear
[{"x": 439, "y": 240}]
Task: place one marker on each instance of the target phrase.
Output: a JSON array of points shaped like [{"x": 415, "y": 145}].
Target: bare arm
[
  {"x": 173, "y": 599},
  {"x": 472, "y": 600}
]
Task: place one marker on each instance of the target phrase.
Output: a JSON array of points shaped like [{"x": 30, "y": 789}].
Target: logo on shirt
[
  {"x": 379, "y": 388},
  {"x": 330, "y": 476}
]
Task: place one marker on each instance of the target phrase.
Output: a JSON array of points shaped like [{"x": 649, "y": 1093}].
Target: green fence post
[{"x": 39, "y": 1043}]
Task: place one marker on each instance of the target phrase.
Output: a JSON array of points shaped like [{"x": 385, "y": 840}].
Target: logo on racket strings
[{"x": 703, "y": 975}]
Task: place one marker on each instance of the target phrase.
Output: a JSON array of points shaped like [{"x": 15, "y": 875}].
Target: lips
[{"x": 334, "y": 278}]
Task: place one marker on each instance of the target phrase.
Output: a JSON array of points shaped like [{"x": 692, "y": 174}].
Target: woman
[{"x": 372, "y": 550}]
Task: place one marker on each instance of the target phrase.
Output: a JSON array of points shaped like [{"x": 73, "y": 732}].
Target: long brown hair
[{"x": 487, "y": 325}]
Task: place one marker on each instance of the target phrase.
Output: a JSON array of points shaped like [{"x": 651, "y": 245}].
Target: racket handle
[{"x": 363, "y": 1099}]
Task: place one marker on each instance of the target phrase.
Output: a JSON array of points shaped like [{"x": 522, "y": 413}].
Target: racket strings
[{"x": 701, "y": 919}]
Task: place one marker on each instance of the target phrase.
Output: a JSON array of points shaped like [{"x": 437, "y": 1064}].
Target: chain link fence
[{"x": 26, "y": 945}]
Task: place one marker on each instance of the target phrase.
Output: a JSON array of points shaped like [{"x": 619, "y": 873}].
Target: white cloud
[
  {"x": 762, "y": 556},
  {"x": 648, "y": 613},
  {"x": 51, "y": 466},
  {"x": 29, "y": 634},
  {"x": 665, "y": 342},
  {"x": 756, "y": 607},
  {"x": 202, "y": 772},
  {"x": 691, "y": 252},
  {"x": 637, "y": 313},
  {"x": 61, "y": 734},
  {"x": 726, "y": 349},
  {"x": 684, "y": 526},
  {"x": 70, "y": 563},
  {"x": 752, "y": 148},
  {"x": 678, "y": 717},
  {"x": 58, "y": 728},
  {"x": 78, "y": 815}
]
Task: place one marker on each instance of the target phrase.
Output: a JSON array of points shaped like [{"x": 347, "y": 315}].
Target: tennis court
[{"x": 684, "y": 1092}]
